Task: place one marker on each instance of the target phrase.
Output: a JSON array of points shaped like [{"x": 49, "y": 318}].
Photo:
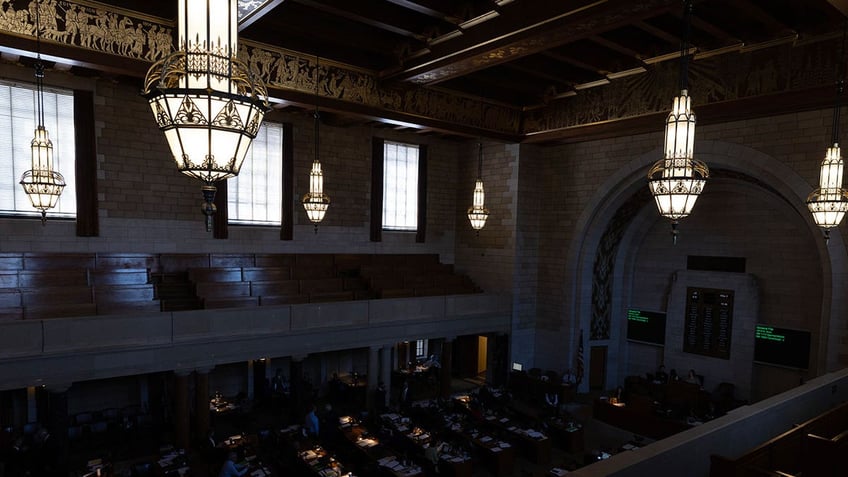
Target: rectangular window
[
  {"x": 420, "y": 349},
  {"x": 254, "y": 196},
  {"x": 17, "y": 128},
  {"x": 400, "y": 186}
]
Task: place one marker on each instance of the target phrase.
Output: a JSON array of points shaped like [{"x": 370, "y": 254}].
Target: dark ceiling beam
[
  {"x": 616, "y": 47},
  {"x": 657, "y": 32},
  {"x": 426, "y": 9},
  {"x": 761, "y": 15},
  {"x": 572, "y": 61},
  {"x": 841, "y": 5},
  {"x": 258, "y": 13},
  {"x": 712, "y": 30},
  {"x": 367, "y": 14},
  {"x": 538, "y": 74},
  {"x": 522, "y": 29}
]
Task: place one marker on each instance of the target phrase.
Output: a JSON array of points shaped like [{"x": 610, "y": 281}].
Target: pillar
[
  {"x": 373, "y": 371},
  {"x": 201, "y": 402},
  {"x": 386, "y": 370},
  {"x": 181, "y": 409},
  {"x": 57, "y": 421},
  {"x": 250, "y": 393},
  {"x": 445, "y": 371},
  {"x": 296, "y": 388}
]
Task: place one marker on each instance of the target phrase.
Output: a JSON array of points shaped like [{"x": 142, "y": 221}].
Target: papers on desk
[
  {"x": 495, "y": 449},
  {"x": 556, "y": 471},
  {"x": 365, "y": 443},
  {"x": 504, "y": 420},
  {"x": 504, "y": 445},
  {"x": 629, "y": 446},
  {"x": 535, "y": 434},
  {"x": 259, "y": 473},
  {"x": 485, "y": 439},
  {"x": 391, "y": 416},
  {"x": 309, "y": 455}
]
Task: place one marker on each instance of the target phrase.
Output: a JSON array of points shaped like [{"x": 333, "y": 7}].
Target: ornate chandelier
[
  {"x": 206, "y": 101},
  {"x": 41, "y": 184},
  {"x": 678, "y": 179},
  {"x": 316, "y": 202},
  {"x": 829, "y": 202},
  {"x": 478, "y": 213}
]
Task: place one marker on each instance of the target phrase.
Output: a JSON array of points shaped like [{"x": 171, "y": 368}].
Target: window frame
[
  {"x": 231, "y": 186},
  {"x": 66, "y": 142}
]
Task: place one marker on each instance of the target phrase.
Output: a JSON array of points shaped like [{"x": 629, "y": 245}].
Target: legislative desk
[
  {"x": 567, "y": 435},
  {"x": 534, "y": 445},
  {"x": 495, "y": 454},
  {"x": 373, "y": 450},
  {"x": 639, "y": 420},
  {"x": 534, "y": 388},
  {"x": 451, "y": 463}
]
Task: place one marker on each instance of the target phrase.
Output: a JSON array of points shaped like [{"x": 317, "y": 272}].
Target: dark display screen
[
  {"x": 646, "y": 326},
  {"x": 782, "y": 347}
]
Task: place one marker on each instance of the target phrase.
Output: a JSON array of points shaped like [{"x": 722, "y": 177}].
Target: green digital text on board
[{"x": 767, "y": 333}]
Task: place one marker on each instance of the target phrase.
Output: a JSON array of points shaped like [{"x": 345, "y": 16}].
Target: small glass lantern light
[{"x": 478, "y": 213}]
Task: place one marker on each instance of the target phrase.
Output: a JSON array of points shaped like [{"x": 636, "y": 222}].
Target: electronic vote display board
[
  {"x": 646, "y": 326},
  {"x": 782, "y": 347},
  {"x": 708, "y": 322}
]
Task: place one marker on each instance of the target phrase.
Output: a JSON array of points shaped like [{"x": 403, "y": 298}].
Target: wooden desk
[
  {"x": 568, "y": 437},
  {"x": 372, "y": 449},
  {"x": 636, "y": 420}
]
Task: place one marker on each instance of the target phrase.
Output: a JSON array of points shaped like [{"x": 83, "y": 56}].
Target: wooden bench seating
[
  {"x": 222, "y": 289},
  {"x": 274, "y": 288},
  {"x": 215, "y": 275},
  {"x": 274, "y": 300},
  {"x": 265, "y": 274},
  {"x": 120, "y": 276},
  {"x": 36, "y": 284},
  {"x": 53, "y": 278}
]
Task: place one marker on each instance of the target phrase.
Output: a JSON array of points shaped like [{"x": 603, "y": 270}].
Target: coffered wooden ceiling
[{"x": 548, "y": 63}]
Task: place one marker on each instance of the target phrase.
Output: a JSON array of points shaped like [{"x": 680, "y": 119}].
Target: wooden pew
[
  {"x": 265, "y": 274},
  {"x": 215, "y": 275},
  {"x": 274, "y": 288},
  {"x": 119, "y": 276}
]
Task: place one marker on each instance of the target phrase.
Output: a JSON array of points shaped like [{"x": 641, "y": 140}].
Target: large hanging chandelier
[
  {"x": 41, "y": 184},
  {"x": 316, "y": 202},
  {"x": 829, "y": 202},
  {"x": 678, "y": 178},
  {"x": 478, "y": 213},
  {"x": 206, "y": 101}
]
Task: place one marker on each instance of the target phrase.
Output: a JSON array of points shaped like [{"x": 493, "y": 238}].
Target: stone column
[
  {"x": 57, "y": 421},
  {"x": 447, "y": 364},
  {"x": 373, "y": 371},
  {"x": 201, "y": 402},
  {"x": 296, "y": 388},
  {"x": 181, "y": 409},
  {"x": 386, "y": 370}
]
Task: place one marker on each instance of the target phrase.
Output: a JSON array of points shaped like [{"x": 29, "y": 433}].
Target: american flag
[{"x": 579, "y": 373}]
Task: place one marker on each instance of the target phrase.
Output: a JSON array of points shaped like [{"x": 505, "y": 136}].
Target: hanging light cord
[
  {"x": 316, "y": 115},
  {"x": 39, "y": 66},
  {"x": 684, "y": 45},
  {"x": 840, "y": 85},
  {"x": 480, "y": 161}
]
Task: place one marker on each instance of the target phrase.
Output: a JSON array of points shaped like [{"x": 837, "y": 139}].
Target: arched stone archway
[{"x": 761, "y": 174}]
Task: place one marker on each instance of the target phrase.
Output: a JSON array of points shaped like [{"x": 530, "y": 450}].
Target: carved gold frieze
[
  {"x": 89, "y": 25},
  {"x": 106, "y": 29},
  {"x": 716, "y": 79}
]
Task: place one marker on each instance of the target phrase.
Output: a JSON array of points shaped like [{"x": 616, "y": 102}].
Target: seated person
[
  {"x": 569, "y": 378},
  {"x": 661, "y": 377},
  {"x": 230, "y": 468},
  {"x": 672, "y": 376},
  {"x": 692, "y": 378}
]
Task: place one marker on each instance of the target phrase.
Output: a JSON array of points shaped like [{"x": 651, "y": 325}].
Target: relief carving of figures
[
  {"x": 719, "y": 78},
  {"x": 87, "y": 26}
]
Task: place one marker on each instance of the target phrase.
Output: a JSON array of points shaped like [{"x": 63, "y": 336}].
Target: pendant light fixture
[
  {"x": 316, "y": 202},
  {"x": 678, "y": 178},
  {"x": 829, "y": 202},
  {"x": 41, "y": 184},
  {"x": 478, "y": 213},
  {"x": 205, "y": 99}
]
